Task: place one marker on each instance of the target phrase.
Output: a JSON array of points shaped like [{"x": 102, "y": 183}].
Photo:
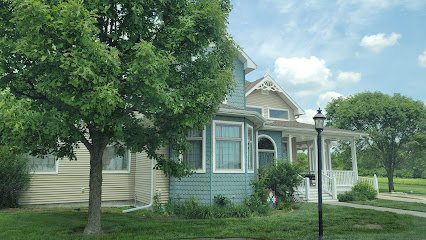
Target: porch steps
[{"x": 313, "y": 196}]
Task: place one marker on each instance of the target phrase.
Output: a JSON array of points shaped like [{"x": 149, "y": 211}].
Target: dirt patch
[{"x": 369, "y": 226}]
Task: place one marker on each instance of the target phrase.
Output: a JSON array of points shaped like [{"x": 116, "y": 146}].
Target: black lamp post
[{"x": 319, "y": 119}]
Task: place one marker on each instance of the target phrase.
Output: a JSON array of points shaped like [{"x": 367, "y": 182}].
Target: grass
[
  {"x": 413, "y": 206},
  {"x": 339, "y": 223},
  {"x": 417, "y": 185}
]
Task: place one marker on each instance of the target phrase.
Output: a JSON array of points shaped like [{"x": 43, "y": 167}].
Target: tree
[
  {"x": 390, "y": 121},
  {"x": 89, "y": 70}
]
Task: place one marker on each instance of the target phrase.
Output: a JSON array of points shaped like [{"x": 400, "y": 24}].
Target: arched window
[{"x": 267, "y": 151}]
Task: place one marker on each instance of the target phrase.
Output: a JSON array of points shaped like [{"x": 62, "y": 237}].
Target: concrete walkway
[{"x": 383, "y": 209}]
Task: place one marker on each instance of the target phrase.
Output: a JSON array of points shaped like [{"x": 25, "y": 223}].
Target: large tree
[
  {"x": 390, "y": 121},
  {"x": 133, "y": 73}
]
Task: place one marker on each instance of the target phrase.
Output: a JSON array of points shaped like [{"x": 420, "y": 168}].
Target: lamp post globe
[{"x": 319, "y": 119}]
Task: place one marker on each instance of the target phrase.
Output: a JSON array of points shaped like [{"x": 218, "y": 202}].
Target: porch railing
[
  {"x": 343, "y": 178},
  {"x": 372, "y": 181}
]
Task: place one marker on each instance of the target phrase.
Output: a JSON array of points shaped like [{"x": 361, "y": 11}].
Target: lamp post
[{"x": 319, "y": 119}]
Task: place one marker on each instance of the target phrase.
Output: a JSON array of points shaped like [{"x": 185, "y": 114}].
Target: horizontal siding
[
  {"x": 161, "y": 181},
  {"x": 143, "y": 178},
  {"x": 273, "y": 100},
  {"x": 66, "y": 186}
]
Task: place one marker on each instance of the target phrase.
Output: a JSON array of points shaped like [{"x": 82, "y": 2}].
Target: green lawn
[
  {"x": 413, "y": 206},
  {"x": 339, "y": 223},
  {"x": 417, "y": 185}
]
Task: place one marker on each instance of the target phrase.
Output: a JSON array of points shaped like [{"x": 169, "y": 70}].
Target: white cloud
[
  {"x": 325, "y": 98},
  {"x": 306, "y": 76},
  {"x": 308, "y": 116},
  {"x": 349, "y": 77},
  {"x": 378, "y": 42},
  {"x": 422, "y": 59}
]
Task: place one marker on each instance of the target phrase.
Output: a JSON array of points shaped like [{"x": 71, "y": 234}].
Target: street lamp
[{"x": 319, "y": 119}]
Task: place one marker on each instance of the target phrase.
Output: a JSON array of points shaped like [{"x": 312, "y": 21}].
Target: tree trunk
[
  {"x": 93, "y": 226},
  {"x": 390, "y": 182}
]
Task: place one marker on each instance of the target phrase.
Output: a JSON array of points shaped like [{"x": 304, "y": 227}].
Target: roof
[
  {"x": 249, "y": 65},
  {"x": 294, "y": 126},
  {"x": 253, "y": 116},
  {"x": 250, "y": 85}
]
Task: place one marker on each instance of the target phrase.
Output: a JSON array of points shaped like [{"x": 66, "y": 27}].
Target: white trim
[
  {"x": 129, "y": 160},
  {"x": 242, "y": 157},
  {"x": 273, "y": 143},
  {"x": 252, "y": 106},
  {"x": 278, "y": 109},
  {"x": 252, "y": 149},
  {"x": 203, "y": 152}
]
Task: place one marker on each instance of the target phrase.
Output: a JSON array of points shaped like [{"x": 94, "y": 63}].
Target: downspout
[
  {"x": 152, "y": 193},
  {"x": 211, "y": 163}
]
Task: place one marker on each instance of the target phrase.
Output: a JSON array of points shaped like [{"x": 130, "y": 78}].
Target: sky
[{"x": 317, "y": 50}]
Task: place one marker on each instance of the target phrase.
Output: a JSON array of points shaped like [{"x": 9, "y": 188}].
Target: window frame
[
  {"x": 252, "y": 160},
  {"x": 242, "y": 148},
  {"x": 279, "y": 109},
  {"x": 129, "y": 160},
  {"x": 38, "y": 172},
  {"x": 275, "y": 151},
  {"x": 203, "y": 151},
  {"x": 252, "y": 106}
]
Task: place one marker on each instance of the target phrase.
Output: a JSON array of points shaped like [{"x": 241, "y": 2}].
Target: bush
[
  {"x": 361, "y": 191},
  {"x": 282, "y": 178},
  {"x": 424, "y": 174},
  {"x": 14, "y": 178},
  {"x": 221, "y": 201}
]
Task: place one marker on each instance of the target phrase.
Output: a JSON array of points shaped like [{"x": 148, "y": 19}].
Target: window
[
  {"x": 255, "y": 109},
  {"x": 112, "y": 162},
  {"x": 267, "y": 152},
  {"x": 228, "y": 147},
  {"x": 42, "y": 165},
  {"x": 196, "y": 156},
  {"x": 250, "y": 149},
  {"x": 279, "y": 114}
]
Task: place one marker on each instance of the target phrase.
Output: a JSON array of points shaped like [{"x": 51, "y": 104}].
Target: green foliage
[
  {"x": 221, "y": 201},
  {"x": 86, "y": 71},
  {"x": 282, "y": 178},
  {"x": 192, "y": 209},
  {"x": 392, "y": 122},
  {"x": 157, "y": 206},
  {"x": 14, "y": 178},
  {"x": 302, "y": 160},
  {"x": 361, "y": 191}
]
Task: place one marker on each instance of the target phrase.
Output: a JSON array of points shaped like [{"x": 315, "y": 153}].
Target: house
[{"x": 256, "y": 124}]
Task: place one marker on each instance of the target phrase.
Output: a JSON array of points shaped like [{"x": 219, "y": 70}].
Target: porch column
[
  {"x": 354, "y": 161},
  {"x": 290, "y": 149},
  {"x": 324, "y": 160},
  {"x": 309, "y": 158},
  {"x": 316, "y": 161},
  {"x": 329, "y": 155}
]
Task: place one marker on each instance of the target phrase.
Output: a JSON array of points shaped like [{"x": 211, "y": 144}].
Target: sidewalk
[{"x": 383, "y": 209}]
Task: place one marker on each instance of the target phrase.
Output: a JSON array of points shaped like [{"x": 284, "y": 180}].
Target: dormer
[{"x": 268, "y": 98}]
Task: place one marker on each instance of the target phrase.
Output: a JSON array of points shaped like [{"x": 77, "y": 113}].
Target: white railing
[
  {"x": 303, "y": 188},
  {"x": 327, "y": 183},
  {"x": 343, "y": 178},
  {"x": 372, "y": 181}
]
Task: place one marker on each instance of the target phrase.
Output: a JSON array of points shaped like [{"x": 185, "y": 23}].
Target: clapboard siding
[
  {"x": 161, "y": 181},
  {"x": 66, "y": 186},
  {"x": 273, "y": 100}
]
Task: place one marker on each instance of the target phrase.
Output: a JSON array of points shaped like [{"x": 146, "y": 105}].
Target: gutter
[{"x": 152, "y": 193}]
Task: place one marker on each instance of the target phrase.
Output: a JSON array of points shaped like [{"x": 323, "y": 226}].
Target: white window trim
[
  {"x": 261, "y": 108},
  {"x": 252, "y": 149},
  {"x": 203, "y": 152},
  {"x": 242, "y": 157},
  {"x": 279, "y": 109},
  {"x": 129, "y": 160},
  {"x": 258, "y": 149},
  {"x": 35, "y": 172}
]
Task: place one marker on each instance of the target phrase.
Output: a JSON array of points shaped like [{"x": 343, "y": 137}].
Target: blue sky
[{"x": 321, "y": 49}]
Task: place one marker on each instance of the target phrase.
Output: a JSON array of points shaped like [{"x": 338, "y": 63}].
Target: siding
[
  {"x": 65, "y": 187},
  {"x": 237, "y": 97},
  {"x": 273, "y": 100}
]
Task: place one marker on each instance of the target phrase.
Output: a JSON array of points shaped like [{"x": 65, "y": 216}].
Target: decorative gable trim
[{"x": 267, "y": 83}]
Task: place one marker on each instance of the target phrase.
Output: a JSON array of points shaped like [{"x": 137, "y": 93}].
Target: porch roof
[{"x": 295, "y": 127}]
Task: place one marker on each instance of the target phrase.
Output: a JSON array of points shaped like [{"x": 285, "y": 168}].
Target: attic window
[
  {"x": 265, "y": 92},
  {"x": 278, "y": 114}
]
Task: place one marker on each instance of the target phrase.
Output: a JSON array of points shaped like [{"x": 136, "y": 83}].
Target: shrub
[
  {"x": 424, "y": 174},
  {"x": 221, "y": 201},
  {"x": 282, "y": 178},
  {"x": 14, "y": 178},
  {"x": 361, "y": 191}
]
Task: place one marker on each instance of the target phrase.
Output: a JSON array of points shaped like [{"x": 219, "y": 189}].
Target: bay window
[{"x": 228, "y": 147}]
